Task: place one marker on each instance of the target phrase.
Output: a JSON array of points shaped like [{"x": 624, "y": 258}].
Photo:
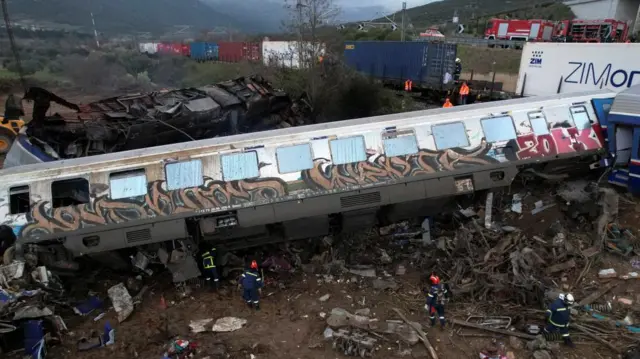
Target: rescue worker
[
  {"x": 464, "y": 92},
  {"x": 436, "y": 298},
  {"x": 447, "y": 103},
  {"x": 557, "y": 318},
  {"x": 456, "y": 74},
  {"x": 210, "y": 270},
  {"x": 408, "y": 85},
  {"x": 252, "y": 284}
]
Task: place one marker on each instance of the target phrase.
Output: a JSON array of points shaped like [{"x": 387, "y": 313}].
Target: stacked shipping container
[
  {"x": 204, "y": 51},
  {"x": 240, "y": 51},
  {"x": 207, "y": 51}
]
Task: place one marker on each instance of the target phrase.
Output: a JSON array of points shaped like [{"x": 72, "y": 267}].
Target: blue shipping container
[
  {"x": 204, "y": 51},
  {"x": 425, "y": 64}
]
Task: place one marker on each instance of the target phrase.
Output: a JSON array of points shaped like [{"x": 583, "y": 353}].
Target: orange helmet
[
  {"x": 254, "y": 265},
  {"x": 435, "y": 280}
]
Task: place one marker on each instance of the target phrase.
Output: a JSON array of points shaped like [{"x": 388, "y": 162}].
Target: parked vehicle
[
  {"x": 550, "y": 68},
  {"x": 605, "y": 30},
  {"x": 427, "y": 65},
  {"x": 204, "y": 51}
]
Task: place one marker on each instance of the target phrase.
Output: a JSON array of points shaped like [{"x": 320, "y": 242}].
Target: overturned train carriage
[
  {"x": 146, "y": 120},
  {"x": 297, "y": 182}
]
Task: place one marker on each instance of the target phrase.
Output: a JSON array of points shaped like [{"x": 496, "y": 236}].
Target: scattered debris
[
  {"x": 228, "y": 324},
  {"x": 121, "y": 300},
  {"x": 324, "y": 298},
  {"x": 354, "y": 343}
]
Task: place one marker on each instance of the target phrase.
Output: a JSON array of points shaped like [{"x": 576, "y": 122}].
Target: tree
[{"x": 308, "y": 23}]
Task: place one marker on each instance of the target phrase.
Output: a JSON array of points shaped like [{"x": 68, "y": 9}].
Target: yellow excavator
[{"x": 11, "y": 122}]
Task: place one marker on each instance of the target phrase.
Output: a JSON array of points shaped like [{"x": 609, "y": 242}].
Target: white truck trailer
[{"x": 550, "y": 68}]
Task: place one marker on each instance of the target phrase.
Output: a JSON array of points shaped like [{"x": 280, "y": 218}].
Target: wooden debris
[
  {"x": 421, "y": 334},
  {"x": 594, "y": 296},
  {"x": 596, "y": 338},
  {"x": 561, "y": 266},
  {"x": 494, "y": 330}
]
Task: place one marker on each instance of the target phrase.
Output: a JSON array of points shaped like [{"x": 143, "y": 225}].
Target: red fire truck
[
  {"x": 519, "y": 30},
  {"x": 607, "y": 30}
]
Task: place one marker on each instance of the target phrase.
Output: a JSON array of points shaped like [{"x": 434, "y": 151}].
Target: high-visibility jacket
[
  {"x": 251, "y": 280},
  {"x": 208, "y": 260},
  {"x": 407, "y": 85},
  {"x": 558, "y": 314},
  {"x": 464, "y": 90},
  {"x": 447, "y": 104}
]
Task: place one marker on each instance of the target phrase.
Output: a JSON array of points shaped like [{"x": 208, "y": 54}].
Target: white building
[{"x": 623, "y": 10}]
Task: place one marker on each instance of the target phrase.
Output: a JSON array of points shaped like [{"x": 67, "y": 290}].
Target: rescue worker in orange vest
[
  {"x": 464, "y": 92},
  {"x": 447, "y": 103},
  {"x": 408, "y": 85}
]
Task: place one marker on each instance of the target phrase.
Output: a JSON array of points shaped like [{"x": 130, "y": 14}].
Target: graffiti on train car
[
  {"x": 380, "y": 168},
  {"x": 157, "y": 202},
  {"x": 559, "y": 141}
]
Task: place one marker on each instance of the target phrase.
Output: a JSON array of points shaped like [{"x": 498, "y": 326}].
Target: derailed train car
[
  {"x": 146, "y": 120},
  {"x": 291, "y": 183}
]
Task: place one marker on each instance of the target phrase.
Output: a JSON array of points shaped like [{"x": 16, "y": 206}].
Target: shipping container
[
  {"x": 164, "y": 48},
  {"x": 239, "y": 51},
  {"x": 427, "y": 65},
  {"x": 176, "y": 49},
  {"x": 185, "y": 50},
  {"x": 204, "y": 51},
  {"x": 550, "y": 68},
  {"x": 286, "y": 53},
  {"x": 148, "y": 48}
]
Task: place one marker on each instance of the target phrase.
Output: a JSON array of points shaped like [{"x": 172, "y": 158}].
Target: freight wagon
[
  {"x": 204, "y": 51},
  {"x": 427, "y": 65}
]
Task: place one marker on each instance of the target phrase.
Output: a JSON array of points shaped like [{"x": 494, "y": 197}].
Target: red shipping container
[
  {"x": 239, "y": 51},
  {"x": 164, "y": 48},
  {"x": 186, "y": 50},
  {"x": 176, "y": 49}
]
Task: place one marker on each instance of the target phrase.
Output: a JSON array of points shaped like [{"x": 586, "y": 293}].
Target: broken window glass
[
  {"x": 128, "y": 184},
  {"x": 294, "y": 158},
  {"x": 400, "y": 145},
  {"x": 69, "y": 192},
  {"x": 19, "y": 201},
  {"x": 580, "y": 117},
  {"x": 184, "y": 174},
  {"x": 348, "y": 150},
  {"x": 450, "y": 135},
  {"x": 498, "y": 129},
  {"x": 239, "y": 166},
  {"x": 538, "y": 123}
]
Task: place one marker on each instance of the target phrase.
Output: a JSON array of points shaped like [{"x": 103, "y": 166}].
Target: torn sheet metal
[
  {"x": 516, "y": 203},
  {"x": 228, "y": 324},
  {"x": 487, "y": 210},
  {"x": 121, "y": 300}
]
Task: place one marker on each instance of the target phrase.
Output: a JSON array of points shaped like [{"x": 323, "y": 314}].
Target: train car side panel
[{"x": 288, "y": 174}]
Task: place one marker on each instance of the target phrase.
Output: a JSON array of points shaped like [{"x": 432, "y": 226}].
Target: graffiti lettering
[
  {"x": 380, "y": 168},
  {"x": 157, "y": 202},
  {"x": 560, "y": 140}
]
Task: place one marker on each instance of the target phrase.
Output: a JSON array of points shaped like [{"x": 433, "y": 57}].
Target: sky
[{"x": 389, "y": 4}]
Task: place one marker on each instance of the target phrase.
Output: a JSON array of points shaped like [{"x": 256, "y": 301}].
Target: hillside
[
  {"x": 440, "y": 12},
  {"x": 122, "y": 16}
]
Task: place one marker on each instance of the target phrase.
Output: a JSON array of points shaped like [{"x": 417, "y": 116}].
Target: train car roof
[
  {"x": 226, "y": 144},
  {"x": 626, "y": 107}
]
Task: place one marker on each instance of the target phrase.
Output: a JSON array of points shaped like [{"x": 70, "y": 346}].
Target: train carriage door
[{"x": 634, "y": 163}]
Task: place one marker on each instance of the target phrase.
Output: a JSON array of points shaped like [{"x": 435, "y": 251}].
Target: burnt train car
[{"x": 291, "y": 183}]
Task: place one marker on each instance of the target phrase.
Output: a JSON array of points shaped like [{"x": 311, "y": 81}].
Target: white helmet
[
  {"x": 568, "y": 299},
  {"x": 457, "y": 59},
  {"x": 561, "y": 296}
]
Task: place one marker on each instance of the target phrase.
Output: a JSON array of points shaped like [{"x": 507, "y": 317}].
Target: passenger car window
[
  {"x": 184, "y": 174},
  {"x": 69, "y": 192},
  {"x": 19, "y": 199},
  {"x": 127, "y": 184},
  {"x": 498, "y": 129},
  {"x": 538, "y": 123},
  {"x": 294, "y": 158},
  {"x": 239, "y": 166},
  {"x": 348, "y": 150},
  {"x": 396, "y": 144},
  {"x": 580, "y": 117},
  {"x": 450, "y": 135}
]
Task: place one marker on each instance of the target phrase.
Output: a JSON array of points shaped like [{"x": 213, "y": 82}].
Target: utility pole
[
  {"x": 95, "y": 31},
  {"x": 299, "y": 7},
  {"x": 404, "y": 10}
]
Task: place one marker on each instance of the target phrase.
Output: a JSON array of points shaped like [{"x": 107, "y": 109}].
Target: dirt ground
[{"x": 290, "y": 323}]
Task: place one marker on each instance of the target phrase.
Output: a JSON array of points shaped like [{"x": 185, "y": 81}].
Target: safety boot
[
  {"x": 257, "y": 306},
  {"x": 568, "y": 342}
]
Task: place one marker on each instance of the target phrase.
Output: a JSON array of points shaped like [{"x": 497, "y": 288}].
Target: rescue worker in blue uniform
[
  {"x": 210, "y": 270},
  {"x": 557, "y": 318},
  {"x": 252, "y": 284},
  {"x": 436, "y": 298}
]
